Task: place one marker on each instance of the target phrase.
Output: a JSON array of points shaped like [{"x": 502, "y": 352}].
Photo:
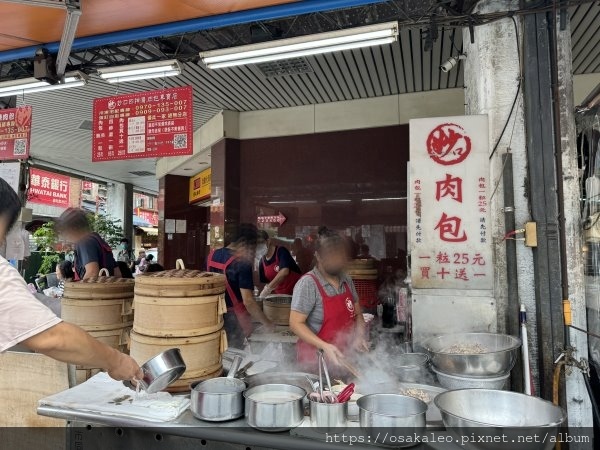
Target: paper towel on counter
[{"x": 103, "y": 395}]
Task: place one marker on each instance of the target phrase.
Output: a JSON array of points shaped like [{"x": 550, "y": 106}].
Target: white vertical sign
[{"x": 450, "y": 234}]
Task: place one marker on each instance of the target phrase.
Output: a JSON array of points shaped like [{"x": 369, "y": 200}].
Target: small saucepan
[
  {"x": 219, "y": 399},
  {"x": 162, "y": 370}
]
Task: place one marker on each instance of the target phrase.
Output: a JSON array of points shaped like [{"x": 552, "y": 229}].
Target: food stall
[{"x": 388, "y": 397}]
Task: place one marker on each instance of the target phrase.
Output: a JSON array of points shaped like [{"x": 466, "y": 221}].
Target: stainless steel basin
[
  {"x": 497, "y": 358},
  {"x": 483, "y": 419}
]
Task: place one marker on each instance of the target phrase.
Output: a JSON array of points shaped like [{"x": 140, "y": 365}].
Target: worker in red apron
[
  {"x": 235, "y": 261},
  {"x": 326, "y": 313},
  {"x": 277, "y": 268}
]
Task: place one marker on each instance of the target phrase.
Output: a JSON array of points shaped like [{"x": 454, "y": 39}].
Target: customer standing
[
  {"x": 326, "y": 313},
  {"x": 235, "y": 261},
  {"x": 277, "y": 268},
  {"x": 92, "y": 253},
  {"x": 24, "y": 320},
  {"x": 125, "y": 254}
]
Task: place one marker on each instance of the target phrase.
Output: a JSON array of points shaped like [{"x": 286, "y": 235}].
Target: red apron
[
  {"x": 238, "y": 308},
  {"x": 286, "y": 287},
  {"x": 338, "y": 325}
]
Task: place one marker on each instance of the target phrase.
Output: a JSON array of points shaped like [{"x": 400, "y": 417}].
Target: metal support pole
[{"x": 537, "y": 79}]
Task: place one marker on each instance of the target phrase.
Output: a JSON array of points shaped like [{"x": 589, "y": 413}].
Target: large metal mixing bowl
[
  {"x": 484, "y": 419},
  {"x": 498, "y": 357}
]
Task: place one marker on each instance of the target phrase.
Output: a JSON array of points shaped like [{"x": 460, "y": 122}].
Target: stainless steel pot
[
  {"x": 410, "y": 367},
  {"x": 274, "y": 407},
  {"x": 162, "y": 370},
  {"x": 328, "y": 416},
  {"x": 397, "y": 415},
  {"x": 219, "y": 399},
  {"x": 294, "y": 378}
]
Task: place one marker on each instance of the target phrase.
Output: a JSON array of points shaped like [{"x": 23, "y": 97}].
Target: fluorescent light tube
[
  {"x": 382, "y": 199},
  {"x": 142, "y": 71},
  {"x": 31, "y": 85},
  {"x": 302, "y": 46}
]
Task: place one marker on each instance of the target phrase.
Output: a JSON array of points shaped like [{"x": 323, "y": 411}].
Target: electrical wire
[{"x": 518, "y": 89}]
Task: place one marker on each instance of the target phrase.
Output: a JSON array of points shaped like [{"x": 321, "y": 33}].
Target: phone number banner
[
  {"x": 449, "y": 209},
  {"x": 15, "y": 133},
  {"x": 150, "y": 124}
]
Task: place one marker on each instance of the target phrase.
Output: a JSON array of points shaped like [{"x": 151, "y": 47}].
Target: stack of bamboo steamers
[
  {"x": 181, "y": 309},
  {"x": 103, "y": 307}
]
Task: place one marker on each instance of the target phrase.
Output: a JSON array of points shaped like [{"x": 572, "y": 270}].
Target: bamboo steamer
[
  {"x": 363, "y": 274},
  {"x": 99, "y": 288},
  {"x": 277, "y": 308},
  {"x": 181, "y": 278},
  {"x": 117, "y": 338},
  {"x": 178, "y": 317},
  {"x": 202, "y": 354},
  {"x": 94, "y": 315}
]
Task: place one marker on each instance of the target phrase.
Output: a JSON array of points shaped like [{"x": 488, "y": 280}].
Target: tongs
[{"x": 323, "y": 396}]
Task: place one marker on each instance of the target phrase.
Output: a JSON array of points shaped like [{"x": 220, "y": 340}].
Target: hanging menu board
[
  {"x": 15, "y": 133},
  {"x": 450, "y": 230},
  {"x": 143, "y": 125}
]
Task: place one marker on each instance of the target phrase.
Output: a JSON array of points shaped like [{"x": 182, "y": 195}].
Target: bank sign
[
  {"x": 450, "y": 229},
  {"x": 47, "y": 188}
]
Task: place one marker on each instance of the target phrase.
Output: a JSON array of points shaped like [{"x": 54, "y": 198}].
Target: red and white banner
[
  {"x": 15, "y": 133},
  {"x": 147, "y": 215},
  {"x": 47, "y": 188},
  {"x": 143, "y": 125},
  {"x": 450, "y": 230}
]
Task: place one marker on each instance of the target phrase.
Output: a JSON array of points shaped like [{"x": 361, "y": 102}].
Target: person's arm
[
  {"x": 254, "y": 310},
  {"x": 92, "y": 269},
  {"x": 246, "y": 283},
  {"x": 68, "y": 343},
  {"x": 299, "y": 328}
]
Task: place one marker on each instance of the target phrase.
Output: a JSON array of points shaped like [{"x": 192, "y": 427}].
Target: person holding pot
[
  {"x": 25, "y": 320},
  {"x": 92, "y": 253},
  {"x": 235, "y": 261},
  {"x": 277, "y": 268},
  {"x": 325, "y": 312}
]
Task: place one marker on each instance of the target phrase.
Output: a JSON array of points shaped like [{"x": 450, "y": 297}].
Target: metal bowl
[
  {"x": 433, "y": 416},
  {"x": 453, "y": 382},
  {"x": 398, "y": 415},
  {"x": 162, "y": 370},
  {"x": 508, "y": 416},
  {"x": 410, "y": 367},
  {"x": 498, "y": 358}
]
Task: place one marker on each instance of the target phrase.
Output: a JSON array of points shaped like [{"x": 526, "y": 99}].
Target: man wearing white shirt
[{"x": 24, "y": 320}]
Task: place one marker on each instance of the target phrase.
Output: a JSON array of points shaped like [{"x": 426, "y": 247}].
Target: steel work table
[{"x": 89, "y": 431}]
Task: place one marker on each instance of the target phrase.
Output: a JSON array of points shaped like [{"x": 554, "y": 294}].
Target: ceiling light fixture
[
  {"x": 31, "y": 85},
  {"x": 383, "y": 199},
  {"x": 143, "y": 71},
  {"x": 334, "y": 41}
]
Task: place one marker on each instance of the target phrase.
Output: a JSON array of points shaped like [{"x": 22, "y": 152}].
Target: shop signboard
[
  {"x": 450, "y": 230},
  {"x": 200, "y": 186},
  {"x": 147, "y": 215},
  {"x": 15, "y": 133},
  {"x": 47, "y": 188},
  {"x": 149, "y": 124}
]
